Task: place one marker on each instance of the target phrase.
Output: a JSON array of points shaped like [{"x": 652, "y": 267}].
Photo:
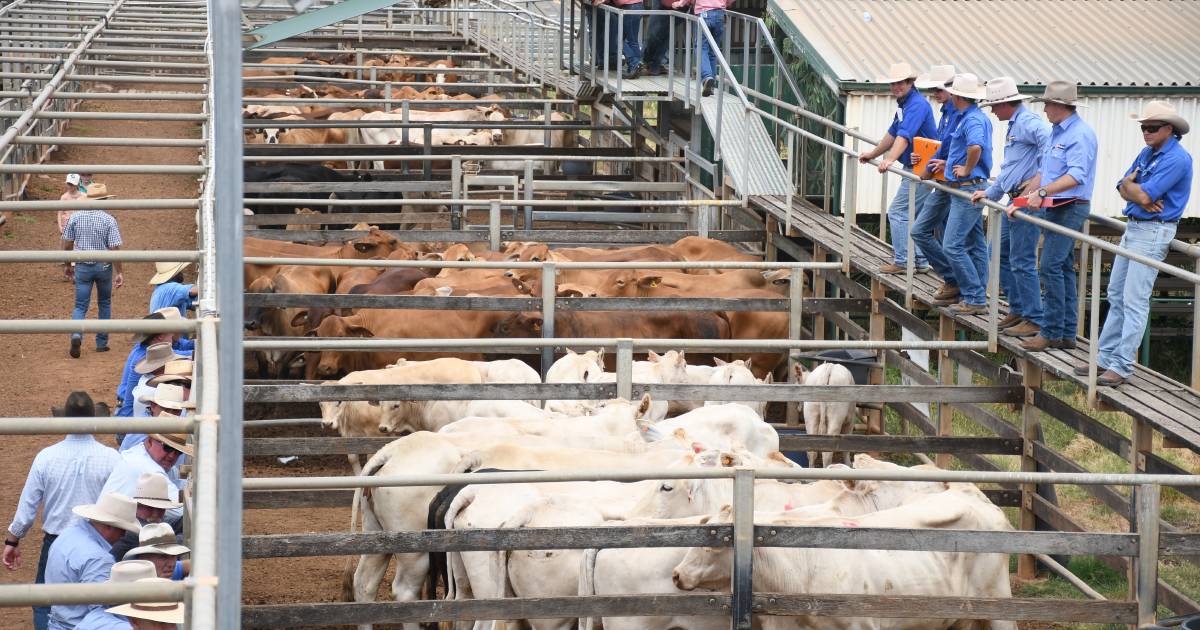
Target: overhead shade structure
[{"x": 313, "y": 20}]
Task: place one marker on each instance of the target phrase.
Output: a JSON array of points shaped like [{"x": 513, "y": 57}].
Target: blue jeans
[
  {"x": 1129, "y": 288},
  {"x": 1018, "y": 266},
  {"x": 965, "y": 246},
  {"x": 41, "y": 614},
  {"x": 898, "y": 223},
  {"x": 658, "y": 36},
  {"x": 99, "y": 274},
  {"x": 631, "y": 26},
  {"x": 599, "y": 39},
  {"x": 715, "y": 20},
  {"x": 1057, "y": 271}
]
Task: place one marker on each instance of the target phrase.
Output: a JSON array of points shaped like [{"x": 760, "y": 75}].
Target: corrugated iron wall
[{"x": 1120, "y": 141}]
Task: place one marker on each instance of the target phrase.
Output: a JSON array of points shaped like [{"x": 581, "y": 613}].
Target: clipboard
[{"x": 925, "y": 148}]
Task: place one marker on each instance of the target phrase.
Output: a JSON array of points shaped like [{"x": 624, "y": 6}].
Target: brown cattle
[
  {"x": 693, "y": 248},
  {"x": 271, "y": 321},
  {"x": 376, "y": 244},
  {"x": 538, "y": 252},
  {"x": 390, "y": 282},
  {"x": 666, "y": 282},
  {"x": 355, "y": 276}
]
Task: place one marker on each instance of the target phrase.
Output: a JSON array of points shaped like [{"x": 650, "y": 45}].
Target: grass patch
[{"x": 26, "y": 219}]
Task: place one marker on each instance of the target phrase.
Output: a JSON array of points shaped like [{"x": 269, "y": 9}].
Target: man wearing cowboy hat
[
  {"x": 1157, "y": 187},
  {"x": 1028, "y": 136},
  {"x": 1066, "y": 178},
  {"x": 122, "y": 573},
  {"x": 157, "y": 543},
  {"x": 164, "y": 616},
  {"x": 936, "y": 81},
  {"x": 145, "y": 361},
  {"x": 81, "y": 555},
  {"x": 93, "y": 230},
  {"x": 65, "y": 475},
  {"x": 961, "y": 257},
  {"x": 913, "y": 118},
  {"x": 153, "y": 496},
  {"x": 158, "y": 453},
  {"x": 167, "y": 399},
  {"x": 169, "y": 289}
]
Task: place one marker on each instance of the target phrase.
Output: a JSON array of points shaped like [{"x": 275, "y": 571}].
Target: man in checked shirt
[
  {"x": 93, "y": 230},
  {"x": 63, "y": 476}
]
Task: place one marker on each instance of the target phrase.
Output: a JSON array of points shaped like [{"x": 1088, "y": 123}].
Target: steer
[{"x": 826, "y": 418}]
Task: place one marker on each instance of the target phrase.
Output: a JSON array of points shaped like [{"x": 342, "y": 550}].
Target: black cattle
[{"x": 289, "y": 173}]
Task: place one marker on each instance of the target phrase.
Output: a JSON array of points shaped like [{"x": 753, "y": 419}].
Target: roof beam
[{"x": 313, "y": 20}]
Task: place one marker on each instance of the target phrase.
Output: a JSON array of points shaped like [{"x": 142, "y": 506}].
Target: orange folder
[{"x": 925, "y": 148}]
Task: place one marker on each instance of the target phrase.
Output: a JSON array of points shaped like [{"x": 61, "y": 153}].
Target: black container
[{"x": 799, "y": 457}]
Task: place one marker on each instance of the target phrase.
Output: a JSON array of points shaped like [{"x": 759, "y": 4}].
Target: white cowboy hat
[
  {"x": 1162, "y": 111},
  {"x": 1002, "y": 90},
  {"x": 177, "y": 441},
  {"x": 157, "y": 538},
  {"x": 937, "y": 77},
  {"x": 967, "y": 85},
  {"x": 898, "y": 72},
  {"x": 173, "y": 372},
  {"x": 113, "y": 509},
  {"x": 152, "y": 490},
  {"x": 168, "y": 396},
  {"x": 172, "y": 612},
  {"x": 127, "y": 571},
  {"x": 157, "y": 355},
  {"x": 164, "y": 271},
  {"x": 1061, "y": 92}
]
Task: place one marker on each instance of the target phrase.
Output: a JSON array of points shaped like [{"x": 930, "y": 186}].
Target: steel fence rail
[
  {"x": 28, "y": 256},
  {"x": 102, "y": 593},
  {"x": 51, "y": 326},
  {"x": 707, "y": 345},
  {"x": 62, "y": 425}
]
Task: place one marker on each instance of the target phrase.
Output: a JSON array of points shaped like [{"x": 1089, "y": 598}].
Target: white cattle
[
  {"x": 499, "y": 371},
  {"x": 658, "y": 368},
  {"x": 826, "y": 418},
  {"x": 533, "y": 137},
  {"x": 727, "y": 426},
  {"x": 416, "y": 135},
  {"x": 611, "y": 425},
  {"x": 738, "y": 373},
  {"x": 574, "y": 367},
  {"x": 868, "y": 571}
]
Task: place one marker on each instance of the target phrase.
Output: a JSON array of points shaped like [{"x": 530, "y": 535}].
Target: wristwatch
[{"x": 1042, "y": 193}]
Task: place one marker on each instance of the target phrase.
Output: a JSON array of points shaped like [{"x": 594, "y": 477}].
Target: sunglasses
[
  {"x": 1151, "y": 128},
  {"x": 170, "y": 450}
]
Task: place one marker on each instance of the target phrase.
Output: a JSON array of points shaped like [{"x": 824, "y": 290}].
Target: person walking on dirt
[
  {"x": 76, "y": 190},
  {"x": 93, "y": 230},
  {"x": 63, "y": 476}
]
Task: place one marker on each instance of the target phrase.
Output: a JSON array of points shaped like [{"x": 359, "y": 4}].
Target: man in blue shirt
[
  {"x": 82, "y": 554},
  {"x": 1157, "y": 186},
  {"x": 169, "y": 288},
  {"x": 913, "y": 118},
  {"x": 967, "y": 164},
  {"x": 1066, "y": 177},
  {"x": 1028, "y": 136}
]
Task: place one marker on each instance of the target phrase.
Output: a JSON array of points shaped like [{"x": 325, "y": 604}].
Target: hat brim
[
  {"x": 162, "y": 277},
  {"x": 977, "y": 96},
  {"x": 1181, "y": 126},
  {"x": 164, "y": 550},
  {"x": 146, "y": 367},
  {"x": 168, "y": 378},
  {"x": 164, "y": 504},
  {"x": 1041, "y": 99},
  {"x": 928, "y": 84},
  {"x": 183, "y": 448},
  {"x": 175, "y": 615},
  {"x": 90, "y": 513},
  {"x": 1007, "y": 99}
]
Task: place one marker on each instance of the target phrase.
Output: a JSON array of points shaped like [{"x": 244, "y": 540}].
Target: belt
[
  {"x": 966, "y": 182},
  {"x": 1153, "y": 220}
]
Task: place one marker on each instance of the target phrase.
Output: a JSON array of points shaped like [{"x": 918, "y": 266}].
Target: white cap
[{"x": 74, "y": 179}]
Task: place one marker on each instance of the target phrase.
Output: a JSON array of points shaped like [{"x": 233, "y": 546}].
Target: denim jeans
[
  {"x": 658, "y": 36},
  {"x": 1019, "y": 255},
  {"x": 898, "y": 222},
  {"x": 99, "y": 274},
  {"x": 965, "y": 246},
  {"x": 930, "y": 223},
  {"x": 1057, "y": 271},
  {"x": 631, "y": 26},
  {"x": 715, "y": 20},
  {"x": 41, "y": 614},
  {"x": 1129, "y": 288},
  {"x": 601, "y": 37}
]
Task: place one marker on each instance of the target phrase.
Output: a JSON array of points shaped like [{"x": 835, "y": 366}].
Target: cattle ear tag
[
  {"x": 787, "y": 507},
  {"x": 653, "y": 283}
]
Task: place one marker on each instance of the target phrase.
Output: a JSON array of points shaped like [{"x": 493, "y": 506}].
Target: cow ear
[
  {"x": 358, "y": 331},
  {"x": 746, "y": 363},
  {"x": 649, "y": 281},
  {"x": 718, "y": 362},
  {"x": 300, "y": 320},
  {"x": 801, "y": 373},
  {"x": 600, "y": 356},
  {"x": 362, "y": 247},
  {"x": 644, "y": 406},
  {"x": 769, "y": 379},
  {"x": 652, "y": 356}
]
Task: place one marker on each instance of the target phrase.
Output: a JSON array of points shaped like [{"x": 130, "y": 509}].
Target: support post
[
  {"x": 494, "y": 225},
  {"x": 993, "y": 281},
  {"x": 818, "y": 291},
  {"x": 848, "y": 210},
  {"x": 795, "y": 327},
  {"x": 743, "y": 548},
  {"x": 877, "y": 330},
  {"x": 548, "y": 293},
  {"x": 770, "y": 253},
  {"x": 1147, "y": 498},
  {"x": 945, "y": 377},
  {"x": 910, "y": 261},
  {"x": 528, "y": 194},
  {"x": 1196, "y": 332},
  {"x": 456, "y": 211},
  {"x": 625, "y": 368},
  {"x": 1081, "y": 280},
  {"x": 1094, "y": 328},
  {"x": 1031, "y": 420}
]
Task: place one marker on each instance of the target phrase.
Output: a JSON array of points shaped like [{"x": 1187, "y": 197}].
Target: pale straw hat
[
  {"x": 967, "y": 85},
  {"x": 898, "y": 72},
  {"x": 1002, "y": 90},
  {"x": 127, "y": 571},
  {"x": 157, "y": 538},
  {"x": 169, "y": 396},
  {"x": 152, "y": 490},
  {"x": 178, "y": 371},
  {"x": 1162, "y": 111},
  {"x": 164, "y": 271},
  {"x": 1061, "y": 92},
  {"x": 937, "y": 77},
  {"x": 177, "y": 441},
  {"x": 112, "y": 509},
  {"x": 172, "y": 612},
  {"x": 157, "y": 355}
]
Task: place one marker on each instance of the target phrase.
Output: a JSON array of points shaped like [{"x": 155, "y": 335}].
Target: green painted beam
[{"x": 313, "y": 20}]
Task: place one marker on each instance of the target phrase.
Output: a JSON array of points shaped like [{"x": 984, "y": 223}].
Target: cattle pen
[{"x": 601, "y": 160}]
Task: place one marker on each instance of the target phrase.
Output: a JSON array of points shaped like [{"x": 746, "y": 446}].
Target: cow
[
  {"x": 574, "y": 367},
  {"x": 375, "y": 244},
  {"x": 699, "y": 248},
  {"x": 826, "y": 418},
  {"x": 726, "y": 426},
  {"x": 536, "y": 137},
  {"x": 277, "y": 322},
  {"x": 391, "y": 282}
]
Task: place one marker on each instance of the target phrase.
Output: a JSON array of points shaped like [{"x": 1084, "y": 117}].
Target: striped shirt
[
  {"x": 92, "y": 230},
  {"x": 62, "y": 476}
]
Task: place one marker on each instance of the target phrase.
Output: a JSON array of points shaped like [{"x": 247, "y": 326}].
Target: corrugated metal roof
[{"x": 1110, "y": 43}]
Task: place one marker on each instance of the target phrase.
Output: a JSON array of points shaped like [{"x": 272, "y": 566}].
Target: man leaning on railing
[{"x": 1157, "y": 186}]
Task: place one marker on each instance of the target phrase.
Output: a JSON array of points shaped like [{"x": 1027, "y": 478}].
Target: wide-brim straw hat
[
  {"x": 152, "y": 490},
  {"x": 166, "y": 271},
  {"x": 1061, "y": 92},
  {"x": 112, "y": 509},
  {"x": 1164, "y": 112},
  {"x": 127, "y": 571},
  {"x": 898, "y": 72},
  {"x": 96, "y": 190},
  {"x": 1002, "y": 90},
  {"x": 967, "y": 85},
  {"x": 157, "y": 355},
  {"x": 177, "y": 441},
  {"x": 937, "y": 77},
  {"x": 157, "y": 538},
  {"x": 178, "y": 371},
  {"x": 172, "y": 612},
  {"x": 168, "y": 396}
]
